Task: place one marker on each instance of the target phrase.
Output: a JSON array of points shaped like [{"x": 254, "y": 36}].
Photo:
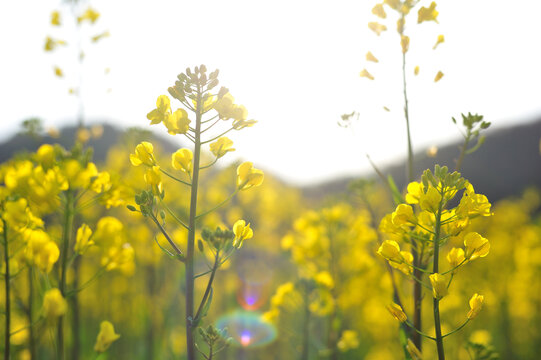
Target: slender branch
[
  {"x": 209, "y": 165},
  {"x": 217, "y": 206},
  {"x": 180, "y": 255},
  {"x": 211, "y": 125},
  {"x": 175, "y": 178},
  {"x": 217, "y": 137},
  {"x": 437, "y": 321},
  {"x": 7, "y": 293},
  {"x": 457, "y": 329},
  {"x": 180, "y": 222},
  {"x": 209, "y": 287},
  {"x": 418, "y": 331}
]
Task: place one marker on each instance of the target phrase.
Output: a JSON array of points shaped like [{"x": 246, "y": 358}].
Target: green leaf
[{"x": 397, "y": 196}]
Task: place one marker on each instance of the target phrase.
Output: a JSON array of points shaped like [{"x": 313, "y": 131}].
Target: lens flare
[
  {"x": 254, "y": 270},
  {"x": 247, "y": 329}
]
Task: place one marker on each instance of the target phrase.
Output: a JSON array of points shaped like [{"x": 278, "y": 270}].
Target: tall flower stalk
[{"x": 194, "y": 90}]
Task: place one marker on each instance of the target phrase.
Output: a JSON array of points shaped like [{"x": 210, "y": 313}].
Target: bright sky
[{"x": 294, "y": 65}]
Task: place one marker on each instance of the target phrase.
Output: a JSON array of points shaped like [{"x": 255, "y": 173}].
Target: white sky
[{"x": 294, "y": 65}]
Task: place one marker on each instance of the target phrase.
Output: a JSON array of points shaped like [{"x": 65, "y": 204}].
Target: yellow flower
[
  {"x": 177, "y": 122},
  {"x": 405, "y": 263},
  {"x": 106, "y": 337},
  {"x": 348, "y": 340},
  {"x": 440, "y": 40},
  {"x": 325, "y": 279},
  {"x": 366, "y": 74},
  {"x": 90, "y": 14},
  {"x": 476, "y": 303},
  {"x": 153, "y": 177},
  {"x": 438, "y": 76},
  {"x": 403, "y": 215},
  {"x": 405, "y": 43},
  {"x": 427, "y": 13},
  {"x": 242, "y": 232},
  {"x": 377, "y": 27},
  {"x": 144, "y": 154},
  {"x": 54, "y": 304},
  {"x": 455, "y": 257},
  {"x": 390, "y": 250},
  {"x": 221, "y": 146},
  {"x": 55, "y": 18},
  {"x": 51, "y": 44},
  {"x": 47, "y": 256},
  {"x": 476, "y": 246},
  {"x": 182, "y": 160},
  {"x": 397, "y": 312},
  {"x": 416, "y": 70},
  {"x": 371, "y": 57},
  {"x": 58, "y": 71},
  {"x": 393, "y": 4},
  {"x": 379, "y": 11},
  {"x": 45, "y": 155},
  {"x": 82, "y": 240},
  {"x": 162, "y": 111},
  {"x": 415, "y": 190},
  {"x": 439, "y": 285},
  {"x": 431, "y": 200},
  {"x": 248, "y": 176}
]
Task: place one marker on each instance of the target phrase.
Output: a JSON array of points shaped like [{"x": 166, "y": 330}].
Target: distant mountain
[{"x": 506, "y": 163}]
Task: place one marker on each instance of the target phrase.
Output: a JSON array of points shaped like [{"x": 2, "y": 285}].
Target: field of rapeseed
[{"x": 160, "y": 254}]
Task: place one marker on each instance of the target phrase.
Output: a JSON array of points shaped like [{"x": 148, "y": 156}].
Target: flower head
[
  {"x": 476, "y": 303},
  {"x": 242, "y": 232},
  {"x": 144, "y": 154},
  {"x": 248, "y": 176},
  {"x": 54, "y": 304},
  {"x": 182, "y": 160},
  {"x": 397, "y": 312},
  {"x": 105, "y": 337}
]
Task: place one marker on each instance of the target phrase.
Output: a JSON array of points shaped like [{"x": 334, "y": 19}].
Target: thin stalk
[
  {"x": 209, "y": 286},
  {"x": 76, "y": 318},
  {"x": 191, "y": 233},
  {"x": 306, "y": 330},
  {"x": 8, "y": 295},
  {"x": 462, "y": 153},
  {"x": 32, "y": 333},
  {"x": 417, "y": 290},
  {"x": 66, "y": 236},
  {"x": 437, "y": 321}
]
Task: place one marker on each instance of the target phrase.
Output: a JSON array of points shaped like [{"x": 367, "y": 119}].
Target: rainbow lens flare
[{"x": 247, "y": 329}]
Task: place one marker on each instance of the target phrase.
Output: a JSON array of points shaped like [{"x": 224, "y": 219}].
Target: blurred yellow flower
[
  {"x": 416, "y": 70},
  {"x": 248, "y": 176},
  {"x": 439, "y": 285},
  {"x": 349, "y": 340},
  {"x": 105, "y": 337},
  {"x": 427, "y": 13},
  {"x": 397, "y": 312},
  {"x": 438, "y": 77},
  {"x": 177, "y": 122},
  {"x": 242, "y": 232},
  {"x": 221, "y": 146},
  {"x": 390, "y": 250},
  {"x": 366, "y": 74},
  {"x": 403, "y": 215},
  {"x": 90, "y": 15},
  {"x": 377, "y": 27},
  {"x": 144, "y": 154},
  {"x": 476, "y": 246},
  {"x": 379, "y": 11},
  {"x": 405, "y": 43},
  {"x": 440, "y": 40},
  {"x": 82, "y": 239},
  {"x": 182, "y": 160},
  {"x": 371, "y": 57},
  {"x": 476, "y": 303},
  {"x": 58, "y": 71},
  {"x": 54, "y": 304},
  {"x": 162, "y": 111},
  {"x": 55, "y": 18}
]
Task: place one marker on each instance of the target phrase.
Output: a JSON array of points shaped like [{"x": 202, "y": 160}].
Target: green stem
[
  {"x": 7, "y": 291},
  {"x": 66, "y": 236},
  {"x": 457, "y": 329},
  {"x": 437, "y": 321},
  {"x": 209, "y": 287},
  {"x": 175, "y": 178},
  {"x": 180, "y": 222},
  {"x": 177, "y": 250},
  {"x": 191, "y": 232},
  {"x": 217, "y": 206},
  {"x": 32, "y": 335}
]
